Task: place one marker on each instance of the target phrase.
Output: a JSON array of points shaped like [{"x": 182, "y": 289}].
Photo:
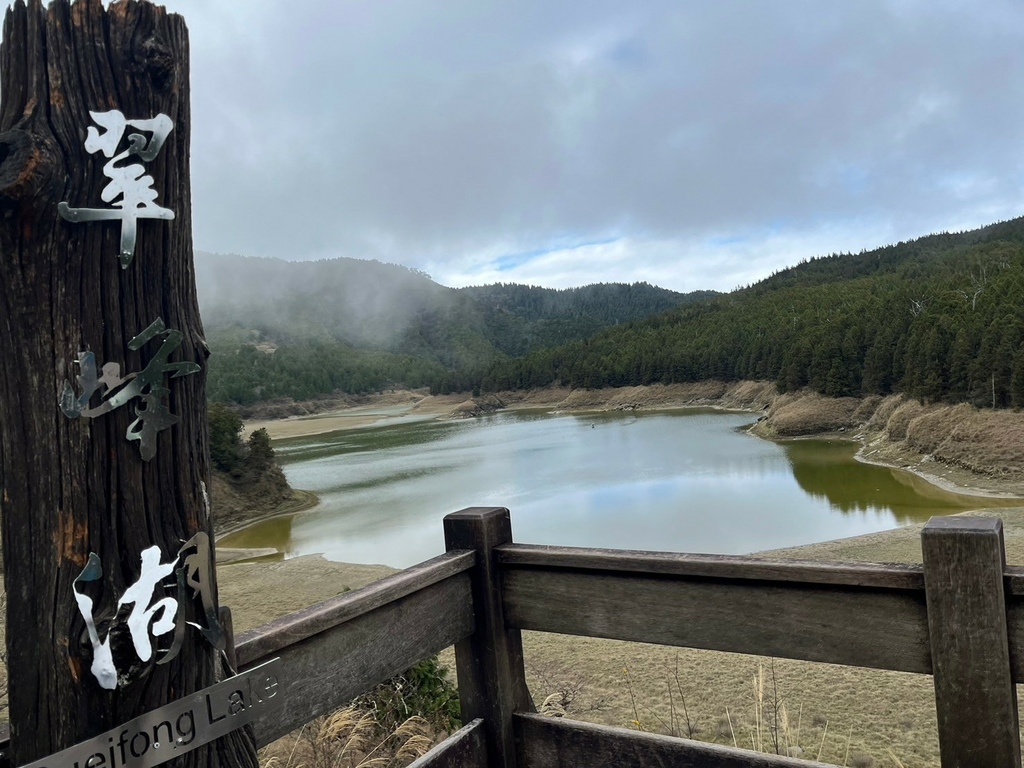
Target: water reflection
[
  {"x": 688, "y": 481},
  {"x": 276, "y": 533},
  {"x": 827, "y": 470}
]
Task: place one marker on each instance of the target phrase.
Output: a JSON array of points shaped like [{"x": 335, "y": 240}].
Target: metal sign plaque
[{"x": 178, "y": 727}]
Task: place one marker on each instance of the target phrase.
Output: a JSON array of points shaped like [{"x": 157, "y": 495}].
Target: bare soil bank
[
  {"x": 306, "y": 419},
  {"x": 957, "y": 447},
  {"x": 237, "y": 502}
]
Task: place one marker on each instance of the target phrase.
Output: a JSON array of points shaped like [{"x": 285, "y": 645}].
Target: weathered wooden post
[
  {"x": 104, "y": 464},
  {"x": 492, "y": 683},
  {"x": 975, "y": 698}
]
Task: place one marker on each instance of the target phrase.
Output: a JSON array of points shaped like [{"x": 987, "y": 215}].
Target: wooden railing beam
[
  {"x": 853, "y": 625},
  {"x": 466, "y": 748},
  {"x": 549, "y": 742},
  {"x": 334, "y": 651}
]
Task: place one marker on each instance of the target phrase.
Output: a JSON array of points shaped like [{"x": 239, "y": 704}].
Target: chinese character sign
[
  {"x": 147, "y": 611},
  {"x": 146, "y": 386},
  {"x": 130, "y": 190}
]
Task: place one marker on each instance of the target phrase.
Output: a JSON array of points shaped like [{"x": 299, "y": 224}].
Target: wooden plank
[
  {"x": 858, "y": 626},
  {"x": 547, "y": 742},
  {"x": 265, "y": 640},
  {"x": 1015, "y": 632},
  {"x": 975, "y": 699},
  {"x": 1014, "y": 580},
  {"x": 883, "y": 575},
  {"x": 466, "y": 748},
  {"x": 492, "y": 681},
  {"x": 325, "y": 671}
]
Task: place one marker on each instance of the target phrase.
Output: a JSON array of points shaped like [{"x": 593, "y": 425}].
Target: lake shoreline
[
  {"x": 782, "y": 417},
  {"x": 863, "y": 421},
  {"x": 758, "y": 399}
]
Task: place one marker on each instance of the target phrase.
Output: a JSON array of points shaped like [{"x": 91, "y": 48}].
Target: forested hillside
[
  {"x": 307, "y": 329},
  {"x": 523, "y": 318},
  {"x": 940, "y": 318}
]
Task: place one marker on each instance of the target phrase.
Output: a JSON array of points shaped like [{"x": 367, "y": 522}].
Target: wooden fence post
[
  {"x": 492, "y": 682},
  {"x": 975, "y": 698}
]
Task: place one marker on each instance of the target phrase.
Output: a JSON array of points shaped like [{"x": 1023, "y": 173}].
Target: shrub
[
  {"x": 423, "y": 690},
  {"x": 226, "y": 450},
  {"x": 883, "y": 411},
  {"x": 896, "y": 426},
  {"x": 387, "y": 727}
]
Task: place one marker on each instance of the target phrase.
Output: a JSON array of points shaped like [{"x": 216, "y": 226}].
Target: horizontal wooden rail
[
  {"x": 260, "y": 643},
  {"x": 1015, "y": 619},
  {"x": 1014, "y": 580},
  {"x": 767, "y": 572},
  {"x": 547, "y": 742},
  {"x": 744, "y": 567},
  {"x": 1015, "y": 631},
  {"x": 334, "y": 651},
  {"x": 466, "y": 748},
  {"x": 855, "y": 614}
]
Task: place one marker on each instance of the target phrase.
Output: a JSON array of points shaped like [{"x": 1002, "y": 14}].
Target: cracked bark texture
[{"x": 71, "y": 487}]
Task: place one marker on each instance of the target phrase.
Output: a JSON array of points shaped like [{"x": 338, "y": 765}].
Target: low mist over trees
[
  {"x": 940, "y": 318},
  {"x": 308, "y": 329}
]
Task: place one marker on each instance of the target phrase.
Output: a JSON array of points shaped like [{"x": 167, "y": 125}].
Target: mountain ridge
[
  {"x": 939, "y": 318},
  {"x": 309, "y": 329}
]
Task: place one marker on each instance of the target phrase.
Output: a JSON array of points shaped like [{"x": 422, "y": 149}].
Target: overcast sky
[{"x": 689, "y": 144}]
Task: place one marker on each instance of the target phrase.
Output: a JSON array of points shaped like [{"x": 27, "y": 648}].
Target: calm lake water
[{"x": 689, "y": 481}]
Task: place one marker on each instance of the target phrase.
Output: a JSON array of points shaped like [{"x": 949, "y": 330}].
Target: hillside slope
[
  {"x": 307, "y": 329},
  {"x": 938, "y": 318}
]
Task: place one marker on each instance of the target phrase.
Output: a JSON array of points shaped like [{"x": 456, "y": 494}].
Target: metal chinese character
[
  {"x": 143, "y": 619},
  {"x": 192, "y": 570},
  {"x": 103, "y": 668},
  {"x": 196, "y": 574},
  {"x": 147, "y": 386},
  {"x": 127, "y": 182}
]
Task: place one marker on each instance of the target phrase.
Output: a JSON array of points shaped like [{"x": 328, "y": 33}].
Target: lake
[{"x": 687, "y": 481}]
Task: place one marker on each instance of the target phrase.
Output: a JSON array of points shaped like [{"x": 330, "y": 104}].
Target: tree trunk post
[
  {"x": 492, "y": 681},
  {"x": 975, "y": 698},
  {"x": 72, "y": 487}
]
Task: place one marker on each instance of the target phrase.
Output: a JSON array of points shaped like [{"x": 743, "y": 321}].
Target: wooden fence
[{"x": 958, "y": 617}]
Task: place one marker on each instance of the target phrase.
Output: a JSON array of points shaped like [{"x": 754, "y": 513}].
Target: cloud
[
  {"x": 450, "y": 136},
  {"x": 717, "y": 262}
]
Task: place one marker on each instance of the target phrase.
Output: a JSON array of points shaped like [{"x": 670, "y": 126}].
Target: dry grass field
[{"x": 841, "y": 715}]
